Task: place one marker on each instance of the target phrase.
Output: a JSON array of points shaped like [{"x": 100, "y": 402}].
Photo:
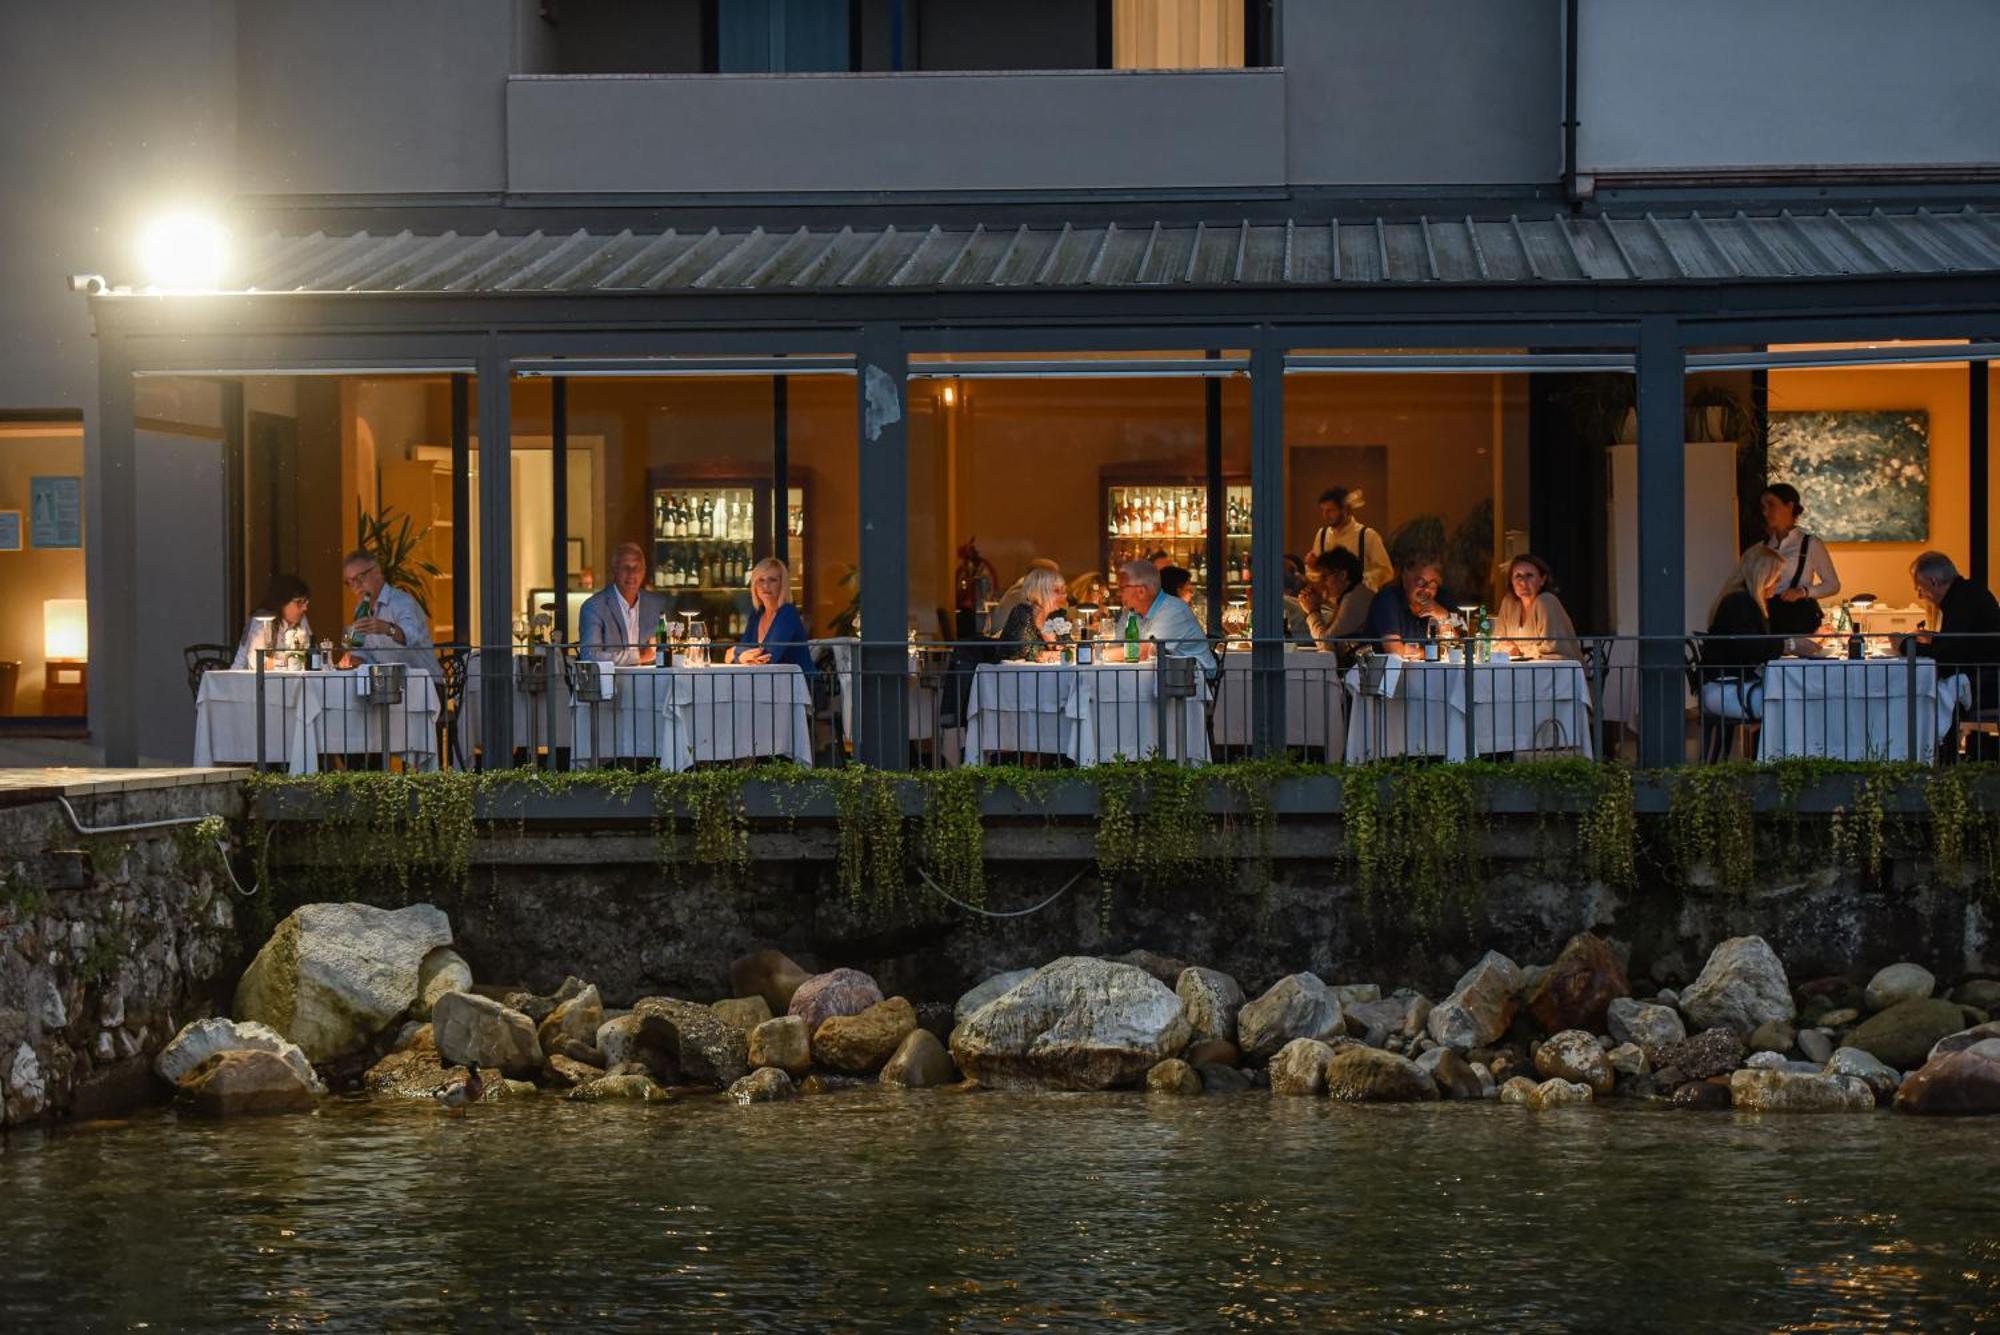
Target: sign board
[
  {"x": 10, "y": 530},
  {"x": 55, "y": 511}
]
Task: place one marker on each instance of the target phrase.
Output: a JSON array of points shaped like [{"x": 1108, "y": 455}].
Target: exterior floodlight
[{"x": 183, "y": 250}]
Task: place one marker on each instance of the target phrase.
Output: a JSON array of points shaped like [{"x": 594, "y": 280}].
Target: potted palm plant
[{"x": 397, "y": 546}]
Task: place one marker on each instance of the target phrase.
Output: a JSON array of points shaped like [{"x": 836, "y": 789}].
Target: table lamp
[{"x": 65, "y": 628}]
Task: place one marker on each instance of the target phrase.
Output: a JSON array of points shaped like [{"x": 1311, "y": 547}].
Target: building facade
[{"x": 886, "y": 277}]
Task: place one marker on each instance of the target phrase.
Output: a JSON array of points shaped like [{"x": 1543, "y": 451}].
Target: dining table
[
  {"x": 1857, "y": 708},
  {"x": 1315, "y": 710},
  {"x": 1089, "y": 713},
  {"x": 1519, "y": 707},
  {"x": 685, "y": 715},
  {"x": 309, "y": 715}
]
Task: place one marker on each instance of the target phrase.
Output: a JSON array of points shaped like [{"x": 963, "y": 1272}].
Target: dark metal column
[
  {"x": 1214, "y": 550},
  {"x": 882, "y": 722},
  {"x": 1267, "y": 542},
  {"x": 235, "y": 601},
  {"x": 461, "y": 506},
  {"x": 1979, "y": 405},
  {"x": 559, "y": 502},
  {"x": 1662, "y": 513},
  {"x": 111, "y": 557},
  {"x": 781, "y": 467},
  {"x": 496, "y": 551}
]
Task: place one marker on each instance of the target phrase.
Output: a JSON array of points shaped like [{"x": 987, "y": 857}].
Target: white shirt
[
  {"x": 1820, "y": 580},
  {"x": 629, "y": 655},
  {"x": 1373, "y": 554}
]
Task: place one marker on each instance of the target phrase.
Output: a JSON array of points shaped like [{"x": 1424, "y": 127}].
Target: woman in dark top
[
  {"x": 1025, "y": 636},
  {"x": 777, "y": 634}
]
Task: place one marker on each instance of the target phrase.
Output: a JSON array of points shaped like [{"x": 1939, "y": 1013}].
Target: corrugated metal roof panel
[{"x": 1648, "y": 247}]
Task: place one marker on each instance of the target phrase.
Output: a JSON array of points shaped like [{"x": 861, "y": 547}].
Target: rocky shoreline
[{"x": 347, "y": 997}]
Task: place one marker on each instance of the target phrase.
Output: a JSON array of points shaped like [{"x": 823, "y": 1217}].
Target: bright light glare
[
  {"x": 65, "y": 628},
  {"x": 183, "y": 250}
]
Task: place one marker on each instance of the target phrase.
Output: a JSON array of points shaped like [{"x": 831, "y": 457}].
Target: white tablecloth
[
  {"x": 926, "y": 694},
  {"x": 308, "y": 715},
  {"x": 531, "y": 711},
  {"x": 1313, "y": 713},
  {"x": 1854, "y": 709},
  {"x": 1518, "y": 708},
  {"x": 1093, "y": 714},
  {"x": 680, "y": 716}
]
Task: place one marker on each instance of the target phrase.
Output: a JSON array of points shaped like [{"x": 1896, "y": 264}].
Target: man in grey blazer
[{"x": 619, "y": 622}]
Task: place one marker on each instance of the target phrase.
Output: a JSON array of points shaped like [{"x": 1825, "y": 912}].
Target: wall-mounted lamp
[{"x": 950, "y": 393}]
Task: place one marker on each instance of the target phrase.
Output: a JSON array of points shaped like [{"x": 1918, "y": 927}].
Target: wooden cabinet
[{"x": 421, "y": 489}]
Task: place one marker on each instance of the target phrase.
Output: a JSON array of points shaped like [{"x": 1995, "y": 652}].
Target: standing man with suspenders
[{"x": 1339, "y": 527}]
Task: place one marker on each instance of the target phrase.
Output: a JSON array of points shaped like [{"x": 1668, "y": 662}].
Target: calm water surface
[{"x": 869, "y": 1211}]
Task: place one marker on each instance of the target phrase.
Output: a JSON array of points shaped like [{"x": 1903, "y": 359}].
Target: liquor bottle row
[
  {"x": 1171, "y": 511},
  {"x": 713, "y": 516},
  {"x": 1235, "y": 567},
  {"x": 687, "y": 565}
]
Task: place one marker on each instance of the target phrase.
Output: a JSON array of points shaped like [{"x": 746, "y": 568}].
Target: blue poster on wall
[
  {"x": 10, "y": 530},
  {"x": 55, "y": 511}
]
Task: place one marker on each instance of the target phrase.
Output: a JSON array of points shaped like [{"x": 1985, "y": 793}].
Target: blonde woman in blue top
[{"x": 777, "y": 633}]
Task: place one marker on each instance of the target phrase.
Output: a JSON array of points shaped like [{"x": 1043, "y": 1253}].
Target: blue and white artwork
[{"x": 1865, "y": 476}]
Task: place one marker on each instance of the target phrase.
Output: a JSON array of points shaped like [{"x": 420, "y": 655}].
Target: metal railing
[{"x": 931, "y": 705}]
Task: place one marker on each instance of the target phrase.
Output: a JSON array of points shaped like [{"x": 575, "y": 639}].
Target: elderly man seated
[
  {"x": 1163, "y": 618},
  {"x": 390, "y": 625},
  {"x": 618, "y": 624}
]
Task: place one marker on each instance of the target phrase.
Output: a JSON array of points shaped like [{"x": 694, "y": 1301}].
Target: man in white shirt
[
  {"x": 1163, "y": 617},
  {"x": 1340, "y": 527},
  {"x": 618, "y": 624},
  {"x": 390, "y": 625}
]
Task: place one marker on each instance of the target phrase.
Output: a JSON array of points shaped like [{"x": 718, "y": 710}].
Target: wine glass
[{"x": 520, "y": 628}]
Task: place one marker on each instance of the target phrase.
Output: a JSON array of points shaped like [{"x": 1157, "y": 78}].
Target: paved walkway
[{"x": 39, "y": 784}]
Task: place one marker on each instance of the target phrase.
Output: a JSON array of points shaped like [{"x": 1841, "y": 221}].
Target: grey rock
[
  {"x": 1480, "y": 1007},
  {"x": 1079, "y": 1023},
  {"x": 1898, "y": 982},
  {"x": 1742, "y": 985},
  {"x": 1210, "y": 999},
  {"x": 1964, "y": 1039},
  {"x": 1299, "y": 1068},
  {"x": 1815, "y": 1045},
  {"x": 1981, "y": 992},
  {"x": 1403, "y": 1014},
  {"x": 199, "y": 1041},
  {"x": 1904, "y": 1034},
  {"x": 333, "y": 976},
  {"x": 766, "y": 1084},
  {"x": 782, "y": 1042},
  {"x": 1354, "y": 994},
  {"x": 1575, "y": 1056},
  {"x": 443, "y": 970},
  {"x": 1628, "y": 1061},
  {"x": 920, "y": 1062},
  {"x": 1296, "y": 1006},
  {"x": 576, "y": 1019},
  {"x": 1175, "y": 1077},
  {"x": 703, "y": 1048},
  {"x": 472, "y": 1030},
  {"x": 1840, "y": 1019},
  {"x": 995, "y": 986},
  {"x": 1368, "y": 1075},
  {"x": 1772, "y": 1036},
  {"x": 1778, "y": 1061},
  {"x": 1753, "y": 1090},
  {"x": 1218, "y": 1078},
  {"x": 1856, "y": 1064},
  {"x": 1558, "y": 1093}
]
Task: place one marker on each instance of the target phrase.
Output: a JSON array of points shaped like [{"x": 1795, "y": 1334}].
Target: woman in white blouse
[{"x": 1805, "y": 567}]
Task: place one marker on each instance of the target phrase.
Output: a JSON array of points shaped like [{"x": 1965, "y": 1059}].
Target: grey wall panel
[
  {"x": 372, "y": 96},
  {"x": 1018, "y": 35},
  {"x": 181, "y": 583},
  {"x": 1423, "y": 92},
  {"x": 896, "y": 132},
  {"x": 1724, "y": 84}
]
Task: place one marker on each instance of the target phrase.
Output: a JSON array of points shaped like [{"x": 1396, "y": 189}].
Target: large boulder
[
  {"x": 919, "y": 1062},
  {"x": 1742, "y": 985},
  {"x": 998, "y": 985},
  {"x": 859, "y": 1044},
  {"x": 1296, "y": 1006},
  {"x": 1583, "y": 982},
  {"x": 1574, "y": 1055},
  {"x": 1964, "y": 1039},
  {"x": 1904, "y": 1034},
  {"x": 577, "y": 1019},
  {"x": 443, "y": 970},
  {"x": 1955, "y": 1083},
  {"x": 1480, "y": 1007},
  {"x": 1898, "y": 983},
  {"x": 769, "y": 974},
  {"x": 1643, "y": 1022},
  {"x": 782, "y": 1042},
  {"x": 333, "y": 976},
  {"x": 199, "y": 1041},
  {"x": 1370, "y": 1075},
  {"x": 825, "y": 995},
  {"x": 1299, "y": 1068},
  {"x": 1754, "y": 1090},
  {"x": 242, "y": 1083},
  {"x": 1210, "y": 999},
  {"x": 472, "y": 1030},
  {"x": 703, "y": 1048},
  {"x": 1079, "y": 1023},
  {"x": 1163, "y": 967}
]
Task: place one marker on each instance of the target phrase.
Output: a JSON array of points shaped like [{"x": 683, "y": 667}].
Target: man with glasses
[
  {"x": 1401, "y": 621},
  {"x": 389, "y": 624}
]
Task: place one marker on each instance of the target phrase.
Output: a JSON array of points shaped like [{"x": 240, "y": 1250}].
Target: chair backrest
[
  {"x": 202, "y": 658},
  {"x": 451, "y": 686}
]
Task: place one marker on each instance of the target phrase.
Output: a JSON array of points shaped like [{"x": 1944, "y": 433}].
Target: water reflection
[{"x": 868, "y": 1212}]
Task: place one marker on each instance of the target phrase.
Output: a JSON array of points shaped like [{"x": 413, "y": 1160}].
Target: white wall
[{"x": 1739, "y": 84}]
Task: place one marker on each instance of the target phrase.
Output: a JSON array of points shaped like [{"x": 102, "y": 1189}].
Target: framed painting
[{"x": 1865, "y": 476}]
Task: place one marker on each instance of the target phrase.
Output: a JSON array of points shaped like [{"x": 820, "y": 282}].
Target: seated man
[
  {"x": 1336, "y": 601},
  {"x": 619, "y": 623},
  {"x": 390, "y": 625},
  {"x": 1400, "y": 618},
  {"x": 1967, "y": 640},
  {"x": 1165, "y": 619}
]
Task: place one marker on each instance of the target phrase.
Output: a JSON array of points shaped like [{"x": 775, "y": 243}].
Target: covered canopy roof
[{"x": 1463, "y": 251}]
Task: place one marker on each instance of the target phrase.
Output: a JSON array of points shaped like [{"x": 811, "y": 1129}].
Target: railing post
[
  {"x": 1267, "y": 543},
  {"x": 1471, "y": 703},
  {"x": 259, "y": 766},
  {"x": 1910, "y": 662}
]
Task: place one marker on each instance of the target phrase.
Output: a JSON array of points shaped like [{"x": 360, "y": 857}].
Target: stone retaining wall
[{"x": 107, "y": 946}]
